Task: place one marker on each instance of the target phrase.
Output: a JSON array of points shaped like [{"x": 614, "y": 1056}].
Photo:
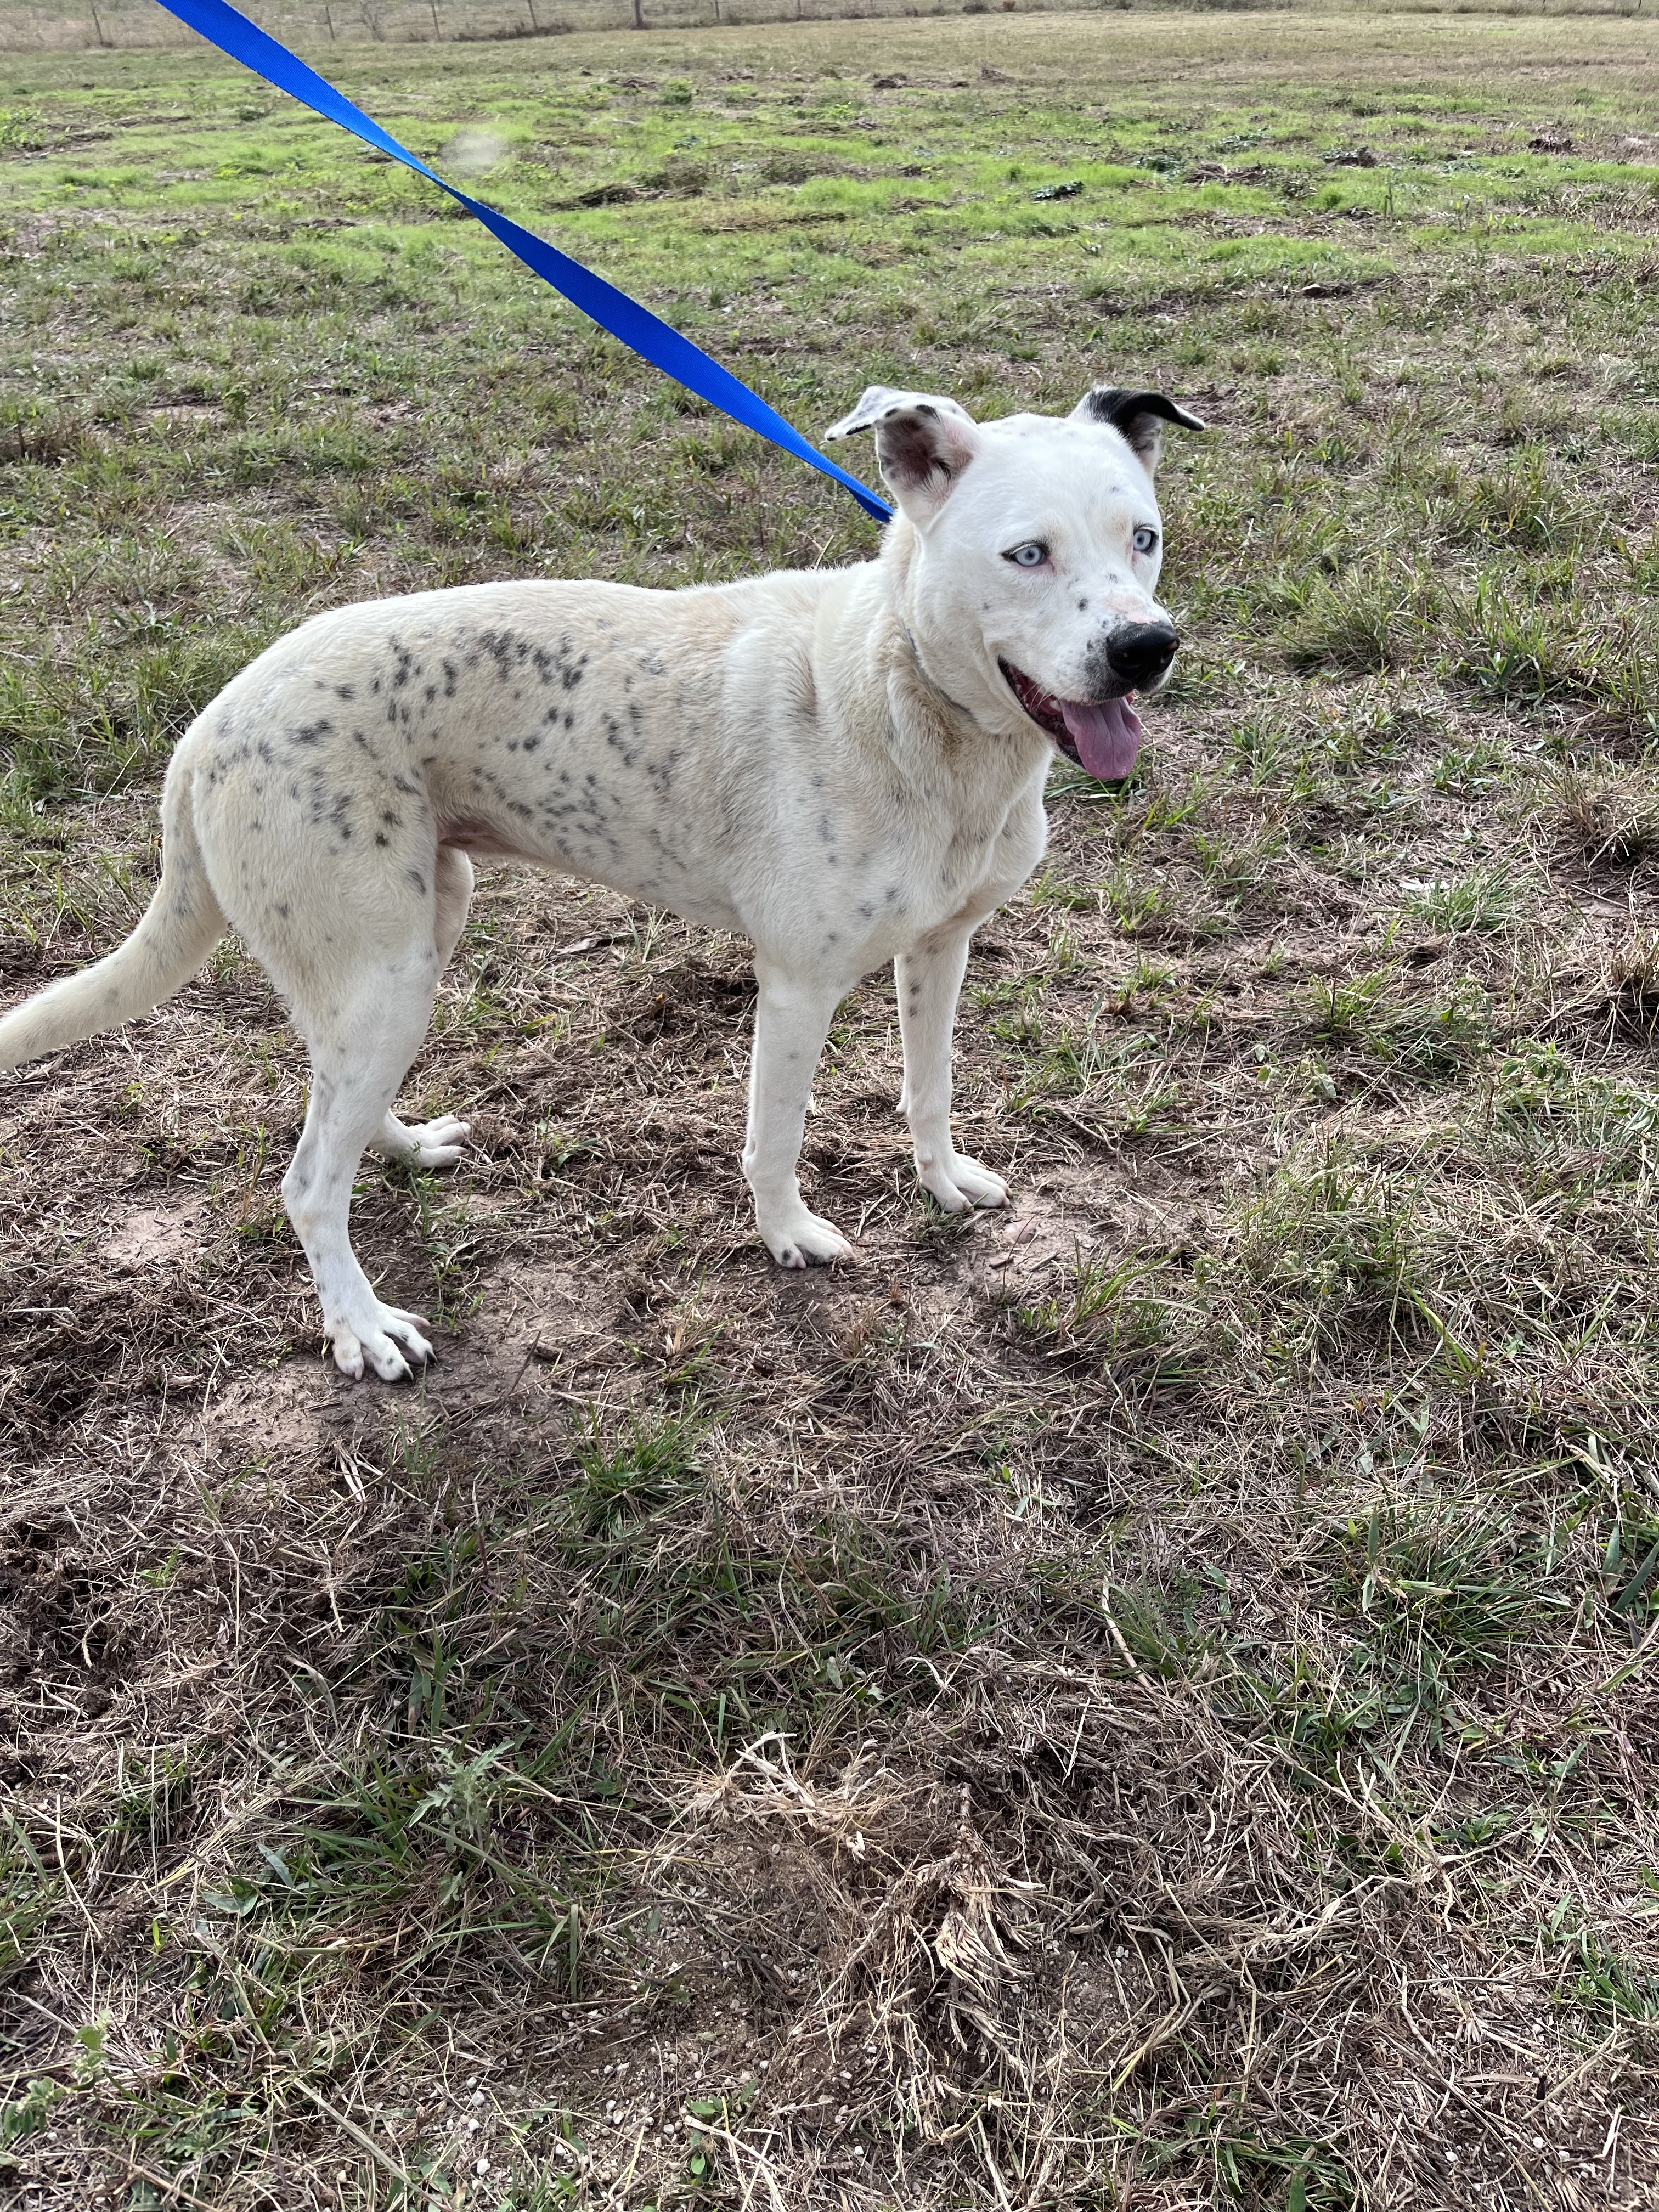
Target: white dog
[{"x": 847, "y": 765}]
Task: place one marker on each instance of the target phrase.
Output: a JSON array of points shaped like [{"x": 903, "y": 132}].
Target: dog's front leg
[
  {"x": 929, "y": 980},
  {"x": 792, "y": 1020}
]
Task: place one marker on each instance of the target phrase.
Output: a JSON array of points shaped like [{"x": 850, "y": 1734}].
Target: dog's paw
[
  {"x": 805, "y": 1240},
  {"x": 958, "y": 1182},
  {"x": 385, "y": 1339},
  {"x": 438, "y": 1144}
]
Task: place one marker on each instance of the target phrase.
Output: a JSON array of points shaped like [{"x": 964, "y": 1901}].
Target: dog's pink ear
[
  {"x": 923, "y": 443},
  {"x": 1140, "y": 416}
]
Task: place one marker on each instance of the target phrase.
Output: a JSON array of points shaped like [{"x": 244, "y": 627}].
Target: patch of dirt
[{"x": 155, "y": 1237}]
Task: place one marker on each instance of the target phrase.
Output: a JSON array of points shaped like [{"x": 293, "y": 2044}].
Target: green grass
[{"x": 1146, "y": 1703}]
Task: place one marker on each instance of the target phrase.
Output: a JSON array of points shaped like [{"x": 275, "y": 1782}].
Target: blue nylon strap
[{"x": 613, "y": 311}]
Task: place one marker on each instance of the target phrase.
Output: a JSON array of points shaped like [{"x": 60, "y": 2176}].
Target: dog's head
[{"x": 1038, "y": 545}]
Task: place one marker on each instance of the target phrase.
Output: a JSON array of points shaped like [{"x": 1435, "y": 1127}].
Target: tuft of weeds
[
  {"x": 1512, "y": 646},
  {"x": 1611, "y": 814},
  {"x": 1429, "y": 1034},
  {"x": 1363, "y": 621},
  {"x": 1332, "y": 1249},
  {"x": 1630, "y": 980},
  {"x": 1481, "y": 899}
]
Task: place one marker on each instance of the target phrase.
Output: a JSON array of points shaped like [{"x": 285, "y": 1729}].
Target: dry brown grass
[{"x": 1144, "y": 1702}]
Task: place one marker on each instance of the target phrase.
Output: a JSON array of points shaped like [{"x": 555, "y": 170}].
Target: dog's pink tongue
[{"x": 1107, "y": 737}]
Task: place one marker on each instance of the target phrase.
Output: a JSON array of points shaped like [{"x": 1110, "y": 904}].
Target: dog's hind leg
[
  {"x": 452, "y": 895},
  {"x": 435, "y": 1144},
  {"x": 361, "y": 1045}
]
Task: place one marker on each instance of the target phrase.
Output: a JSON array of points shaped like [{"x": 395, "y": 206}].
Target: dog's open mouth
[{"x": 1101, "y": 735}]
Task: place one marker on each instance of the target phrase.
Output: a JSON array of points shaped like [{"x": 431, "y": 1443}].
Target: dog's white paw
[
  {"x": 958, "y": 1182},
  {"x": 801, "y": 1239},
  {"x": 438, "y": 1144},
  {"x": 385, "y": 1338}
]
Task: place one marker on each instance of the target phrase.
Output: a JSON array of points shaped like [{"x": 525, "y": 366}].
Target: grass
[{"x": 1144, "y": 1704}]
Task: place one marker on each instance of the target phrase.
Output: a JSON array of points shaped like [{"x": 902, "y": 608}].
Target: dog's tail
[{"x": 181, "y": 927}]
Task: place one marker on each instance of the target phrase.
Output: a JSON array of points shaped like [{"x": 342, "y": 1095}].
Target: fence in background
[
  {"x": 314, "y": 25},
  {"x": 312, "y": 28}
]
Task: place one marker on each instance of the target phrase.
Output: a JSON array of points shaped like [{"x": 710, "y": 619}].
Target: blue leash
[{"x": 613, "y": 311}]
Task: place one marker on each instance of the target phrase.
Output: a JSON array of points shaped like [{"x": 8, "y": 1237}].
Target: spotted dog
[{"x": 845, "y": 765}]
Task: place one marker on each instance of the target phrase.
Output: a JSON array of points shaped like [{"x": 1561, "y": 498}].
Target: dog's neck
[
  {"x": 955, "y": 705},
  {"x": 930, "y": 719}
]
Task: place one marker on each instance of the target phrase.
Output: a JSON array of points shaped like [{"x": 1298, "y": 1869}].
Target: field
[{"x": 1147, "y": 1703}]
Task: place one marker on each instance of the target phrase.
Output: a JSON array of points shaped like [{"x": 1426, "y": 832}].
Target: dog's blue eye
[
  {"x": 1028, "y": 556},
  {"x": 1145, "y": 540}
]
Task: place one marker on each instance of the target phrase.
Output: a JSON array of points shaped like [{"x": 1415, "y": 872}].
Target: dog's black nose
[{"x": 1139, "y": 655}]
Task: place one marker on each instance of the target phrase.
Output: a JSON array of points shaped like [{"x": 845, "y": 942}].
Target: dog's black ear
[
  {"x": 1140, "y": 415},
  {"x": 923, "y": 443}
]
